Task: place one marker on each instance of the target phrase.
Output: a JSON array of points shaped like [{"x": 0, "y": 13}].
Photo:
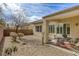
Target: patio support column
[{"x": 45, "y": 31}]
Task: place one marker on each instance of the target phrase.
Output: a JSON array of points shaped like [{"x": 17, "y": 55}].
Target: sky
[{"x": 34, "y": 11}]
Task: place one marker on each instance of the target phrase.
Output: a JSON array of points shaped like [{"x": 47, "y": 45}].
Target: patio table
[{"x": 59, "y": 40}]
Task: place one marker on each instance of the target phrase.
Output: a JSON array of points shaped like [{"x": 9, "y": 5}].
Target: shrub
[
  {"x": 13, "y": 35},
  {"x": 20, "y": 35},
  {"x": 8, "y": 51}
]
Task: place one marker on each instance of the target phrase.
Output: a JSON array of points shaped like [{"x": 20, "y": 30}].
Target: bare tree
[
  {"x": 19, "y": 19},
  {"x": 2, "y": 16}
]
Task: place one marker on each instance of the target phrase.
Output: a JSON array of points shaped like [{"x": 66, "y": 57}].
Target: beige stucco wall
[
  {"x": 74, "y": 30},
  {"x": 37, "y": 34}
]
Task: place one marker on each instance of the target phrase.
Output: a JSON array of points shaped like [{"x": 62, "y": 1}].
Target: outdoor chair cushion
[{"x": 54, "y": 41}]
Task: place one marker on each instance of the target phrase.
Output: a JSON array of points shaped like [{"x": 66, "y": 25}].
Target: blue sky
[
  {"x": 38, "y": 10},
  {"x": 44, "y": 9}
]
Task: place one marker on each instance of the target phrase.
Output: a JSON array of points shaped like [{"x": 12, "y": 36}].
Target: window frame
[{"x": 38, "y": 28}]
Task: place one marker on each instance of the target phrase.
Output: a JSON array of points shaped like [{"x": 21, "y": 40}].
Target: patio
[{"x": 33, "y": 47}]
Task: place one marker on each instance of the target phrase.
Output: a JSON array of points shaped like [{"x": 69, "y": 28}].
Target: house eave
[{"x": 62, "y": 12}]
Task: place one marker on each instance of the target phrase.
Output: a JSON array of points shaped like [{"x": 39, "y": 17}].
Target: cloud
[
  {"x": 42, "y": 9},
  {"x": 37, "y": 10},
  {"x": 14, "y": 9},
  {"x": 13, "y": 6},
  {"x": 34, "y": 18}
]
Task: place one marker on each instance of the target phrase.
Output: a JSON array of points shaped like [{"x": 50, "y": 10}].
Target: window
[
  {"x": 66, "y": 29},
  {"x": 61, "y": 30},
  {"x": 51, "y": 29},
  {"x": 58, "y": 29},
  {"x": 38, "y": 28}
]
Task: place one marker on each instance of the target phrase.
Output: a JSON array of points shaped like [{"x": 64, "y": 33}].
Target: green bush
[{"x": 8, "y": 51}]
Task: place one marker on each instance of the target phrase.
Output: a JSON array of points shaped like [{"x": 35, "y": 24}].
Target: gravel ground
[{"x": 33, "y": 47}]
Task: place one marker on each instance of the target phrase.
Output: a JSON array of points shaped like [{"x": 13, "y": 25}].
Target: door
[{"x": 62, "y": 29}]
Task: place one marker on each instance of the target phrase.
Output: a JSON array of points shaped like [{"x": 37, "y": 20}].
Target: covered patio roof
[{"x": 70, "y": 12}]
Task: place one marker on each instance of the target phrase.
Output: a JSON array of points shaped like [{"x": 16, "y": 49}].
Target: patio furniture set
[{"x": 65, "y": 42}]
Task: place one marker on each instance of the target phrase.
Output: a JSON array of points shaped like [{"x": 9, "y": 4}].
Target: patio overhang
[
  {"x": 64, "y": 15},
  {"x": 59, "y": 16}
]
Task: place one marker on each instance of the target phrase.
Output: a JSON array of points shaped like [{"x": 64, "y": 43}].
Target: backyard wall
[
  {"x": 1, "y": 34},
  {"x": 26, "y": 32}
]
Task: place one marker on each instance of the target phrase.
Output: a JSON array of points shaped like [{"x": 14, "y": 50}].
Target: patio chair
[{"x": 59, "y": 39}]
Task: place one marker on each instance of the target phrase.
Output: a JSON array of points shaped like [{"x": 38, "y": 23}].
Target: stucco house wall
[
  {"x": 33, "y": 25},
  {"x": 67, "y": 16},
  {"x": 37, "y": 34},
  {"x": 74, "y": 26}
]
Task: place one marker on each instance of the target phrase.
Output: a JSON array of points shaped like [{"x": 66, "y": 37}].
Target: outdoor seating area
[{"x": 66, "y": 42}]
